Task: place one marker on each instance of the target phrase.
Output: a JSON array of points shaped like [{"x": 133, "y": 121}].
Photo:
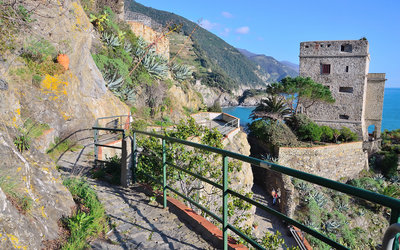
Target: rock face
[
  {"x": 212, "y": 95},
  {"x": 37, "y": 181},
  {"x": 241, "y": 181},
  {"x": 68, "y": 103}
]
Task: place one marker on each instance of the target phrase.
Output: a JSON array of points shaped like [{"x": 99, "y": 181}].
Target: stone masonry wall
[
  {"x": 374, "y": 101},
  {"x": 332, "y": 162}
]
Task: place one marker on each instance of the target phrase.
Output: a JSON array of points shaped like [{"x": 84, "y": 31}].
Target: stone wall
[
  {"x": 333, "y": 162},
  {"x": 374, "y": 102}
]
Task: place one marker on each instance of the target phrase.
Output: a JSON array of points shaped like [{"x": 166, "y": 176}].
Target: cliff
[{"x": 66, "y": 103}]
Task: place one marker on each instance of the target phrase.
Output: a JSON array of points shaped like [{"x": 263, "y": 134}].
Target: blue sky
[{"x": 276, "y": 28}]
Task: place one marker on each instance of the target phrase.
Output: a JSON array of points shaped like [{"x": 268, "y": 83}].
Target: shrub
[
  {"x": 310, "y": 131},
  {"x": 327, "y": 134},
  {"x": 388, "y": 165},
  {"x": 278, "y": 134},
  {"x": 84, "y": 224},
  {"x": 297, "y": 121},
  {"x": 347, "y": 135},
  {"x": 216, "y": 107}
]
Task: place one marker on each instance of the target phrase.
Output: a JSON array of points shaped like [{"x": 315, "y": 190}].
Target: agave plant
[
  {"x": 110, "y": 40},
  {"x": 379, "y": 177},
  {"x": 155, "y": 65},
  {"x": 128, "y": 47},
  {"x": 342, "y": 206},
  {"x": 181, "y": 72},
  {"x": 312, "y": 224},
  {"x": 113, "y": 80},
  {"x": 331, "y": 226},
  {"x": 319, "y": 198},
  {"x": 303, "y": 187}
]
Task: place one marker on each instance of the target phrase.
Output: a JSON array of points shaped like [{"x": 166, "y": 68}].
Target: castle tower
[{"x": 343, "y": 67}]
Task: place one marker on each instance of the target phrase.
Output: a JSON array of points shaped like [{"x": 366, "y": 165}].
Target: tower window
[
  {"x": 346, "y": 89},
  {"x": 347, "y": 68},
  {"x": 344, "y": 117},
  {"x": 346, "y": 48},
  {"x": 326, "y": 68}
]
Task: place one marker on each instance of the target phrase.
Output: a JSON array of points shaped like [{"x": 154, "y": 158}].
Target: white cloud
[
  {"x": 243, "y": 30},
  {"x": 225, "y": 32},
  {"x": 260, "y": 38},
  {"x": 206, "y": 24},
  {"x": 226, "y": 14}
]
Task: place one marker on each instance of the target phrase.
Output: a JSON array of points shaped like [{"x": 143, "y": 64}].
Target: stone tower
[{"x": 343, "y": 67}]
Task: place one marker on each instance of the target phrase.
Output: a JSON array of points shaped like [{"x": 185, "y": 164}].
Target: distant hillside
[
  {"x": 274, "y": 69},
  {"x": 291, "y": 65},
  {"x": 223, "y": 65}
]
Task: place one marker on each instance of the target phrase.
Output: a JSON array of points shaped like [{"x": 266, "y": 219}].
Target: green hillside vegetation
[
  {"x": 229, "y": 68},
  {"x": 274, "y": 69}
]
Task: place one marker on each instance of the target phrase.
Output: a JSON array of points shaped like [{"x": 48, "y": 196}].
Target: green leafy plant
[
  {"x": 347, "y": 135},
  {"x": 86, "y": 223},
  {"x": 22, "y": 142},
  {"x": 311, "y": 132},
  {"x": 99, "y": 21},
  {"x": 31, "y": 130}
]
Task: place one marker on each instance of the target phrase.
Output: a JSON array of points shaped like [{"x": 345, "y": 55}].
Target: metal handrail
[{"x": 392, "y": 203}]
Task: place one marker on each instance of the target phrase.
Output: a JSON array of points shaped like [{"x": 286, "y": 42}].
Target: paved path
[
  {"x": 140, "y": 224},
  {"x": 268, "y": 222},
  {"x": 136, "y": 223}
]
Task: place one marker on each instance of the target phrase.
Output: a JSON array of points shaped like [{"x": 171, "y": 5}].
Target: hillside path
[{"x": 136, "y": 222}]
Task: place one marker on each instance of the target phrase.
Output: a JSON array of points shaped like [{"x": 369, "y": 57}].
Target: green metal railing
[
  {"x": 124, "y": 154},
  {"x": 392, "y": 203}
]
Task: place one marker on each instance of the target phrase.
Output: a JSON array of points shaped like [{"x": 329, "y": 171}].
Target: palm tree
[{"x": 271, "y": 108}]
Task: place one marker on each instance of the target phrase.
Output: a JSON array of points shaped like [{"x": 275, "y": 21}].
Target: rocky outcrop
[
  {"x": 36, "y": 182},
  {"x": 68, "y": 103},
  {"x": 213, "y": 95}
]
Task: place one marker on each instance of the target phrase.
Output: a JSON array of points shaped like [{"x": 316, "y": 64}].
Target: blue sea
[{"x": 391, "y": 110}]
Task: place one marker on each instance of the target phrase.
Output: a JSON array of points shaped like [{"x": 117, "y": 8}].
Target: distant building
[{"x": 343, "y": 67}]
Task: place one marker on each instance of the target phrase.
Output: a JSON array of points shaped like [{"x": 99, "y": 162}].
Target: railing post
[
  {"x": 394, "y": 216},
  {"x": 96, "y": 148},
  {"x": 164, "y": 166},
  {"x": 225, "y": 201},
  {"x": 134, "y": 155},
  {"x": 124, "y": 170}
]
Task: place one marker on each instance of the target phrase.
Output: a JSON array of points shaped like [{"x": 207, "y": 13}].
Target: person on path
[{"x": 273, "y": 194}]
